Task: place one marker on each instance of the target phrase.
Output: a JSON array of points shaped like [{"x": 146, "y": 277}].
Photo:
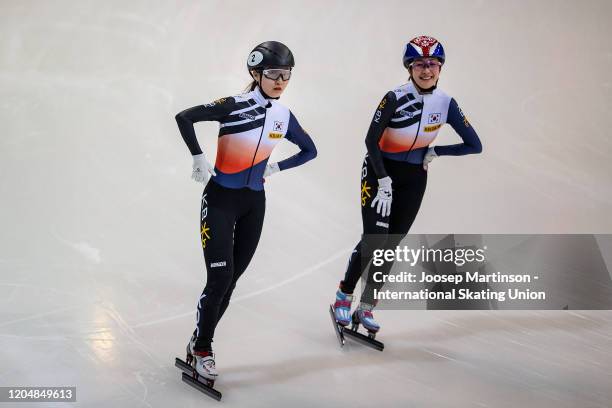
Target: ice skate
[
  {"x": 342, "y": 308},
  {"x": 340, "y": 313},
  {"x": 203, "y": 362},
  {"x": 199, "y": 370},
  {"x": 363, "y": 316}
]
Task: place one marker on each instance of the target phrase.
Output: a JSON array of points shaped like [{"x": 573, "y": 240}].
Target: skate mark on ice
[
  {"x": 39, "y": 315},
  {"x": 307, "y": 272},
  {"x": 237, "y": 299}
]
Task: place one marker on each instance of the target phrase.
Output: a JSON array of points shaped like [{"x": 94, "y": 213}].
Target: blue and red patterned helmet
[{"x": 423, "y": 46}]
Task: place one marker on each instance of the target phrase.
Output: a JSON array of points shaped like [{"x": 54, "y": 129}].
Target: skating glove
[
  {"x": 383, "y": 198},
  {"x": 271, "y": 169},
  {"x": 429, "y": 156},
  {"x": 202, "y": 169}
]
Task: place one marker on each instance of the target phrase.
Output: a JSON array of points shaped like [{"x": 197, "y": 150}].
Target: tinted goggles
[{"x": 276, "y": 73}]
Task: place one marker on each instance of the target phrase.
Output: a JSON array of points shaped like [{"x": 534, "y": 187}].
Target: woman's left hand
[
  {"x": 429, "y": 156},
  {"x": 271, "y": 169}
]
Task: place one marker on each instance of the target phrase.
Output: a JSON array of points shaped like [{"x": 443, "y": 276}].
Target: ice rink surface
[{"x": 100, "y": 261}]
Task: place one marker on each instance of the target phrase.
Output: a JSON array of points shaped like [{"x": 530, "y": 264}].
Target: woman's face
[
  {"x": 273, "y": 81},
  {"x": 425, "y": 72}
]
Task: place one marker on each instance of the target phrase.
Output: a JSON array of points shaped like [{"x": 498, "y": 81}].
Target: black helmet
[{"x": 270, "y": 54}]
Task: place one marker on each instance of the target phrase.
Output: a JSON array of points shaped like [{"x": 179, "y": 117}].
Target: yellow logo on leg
[
  {"x": 204, "y": 234},
  {"x": 365, "y": 192}
]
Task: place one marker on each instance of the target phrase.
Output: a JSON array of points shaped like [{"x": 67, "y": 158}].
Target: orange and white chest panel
[
  {"x": 416, "y": 121},
  {"x": 248, "y": 134}
]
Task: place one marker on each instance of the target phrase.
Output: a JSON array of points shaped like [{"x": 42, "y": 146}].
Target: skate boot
[
  {"x": 342, "y": 308},
  {"x": 202, "y": 361},
  {"x": 363, "y": 315}
]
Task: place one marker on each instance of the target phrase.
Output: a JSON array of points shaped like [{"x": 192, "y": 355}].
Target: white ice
[{"x": 100, "y": 263}]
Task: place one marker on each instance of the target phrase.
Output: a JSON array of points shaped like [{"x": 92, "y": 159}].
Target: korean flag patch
[{"x": 278, "y": 126}]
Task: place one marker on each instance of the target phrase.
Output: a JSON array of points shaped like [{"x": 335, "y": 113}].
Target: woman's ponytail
[{"x": 251, "y": 87}]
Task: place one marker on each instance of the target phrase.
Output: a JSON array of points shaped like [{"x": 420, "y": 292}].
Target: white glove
[
  {"x": 429, "y": 156},
  {"x": 202, "y": 169},
  {"x": 383, "y": 197},
  {"x": 271, "y": 169}
]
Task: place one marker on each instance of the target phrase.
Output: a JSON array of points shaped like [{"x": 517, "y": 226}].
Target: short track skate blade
[
  {"x": 187, "y": 377},
  {"x": 178, "y": 363},
  {"x": 365, "y": 340},
  {"x": 339, "y": 331},
  {"x": 211, "y": 392}
]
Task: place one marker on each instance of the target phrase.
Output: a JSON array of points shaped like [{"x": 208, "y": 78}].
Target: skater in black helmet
[
  {"x": 233, "y": 201},
  {"x": 394, "y": 172}
]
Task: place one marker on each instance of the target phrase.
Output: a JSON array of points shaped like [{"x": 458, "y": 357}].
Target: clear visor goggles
[{"x": 422, "y": 65}]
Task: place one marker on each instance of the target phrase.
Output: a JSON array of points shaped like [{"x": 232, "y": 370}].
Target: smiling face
[
  {"x": 273, "y": 87},
  {"x": 425, "y": 72}
]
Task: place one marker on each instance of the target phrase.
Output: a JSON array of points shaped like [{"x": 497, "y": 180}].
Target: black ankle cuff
[{"x": 202, "y": 346}]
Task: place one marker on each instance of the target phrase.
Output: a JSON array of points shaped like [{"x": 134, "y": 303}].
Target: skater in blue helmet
[
  {"x": 394, "y": 172},
  {"x": 233, "y": 202}
]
